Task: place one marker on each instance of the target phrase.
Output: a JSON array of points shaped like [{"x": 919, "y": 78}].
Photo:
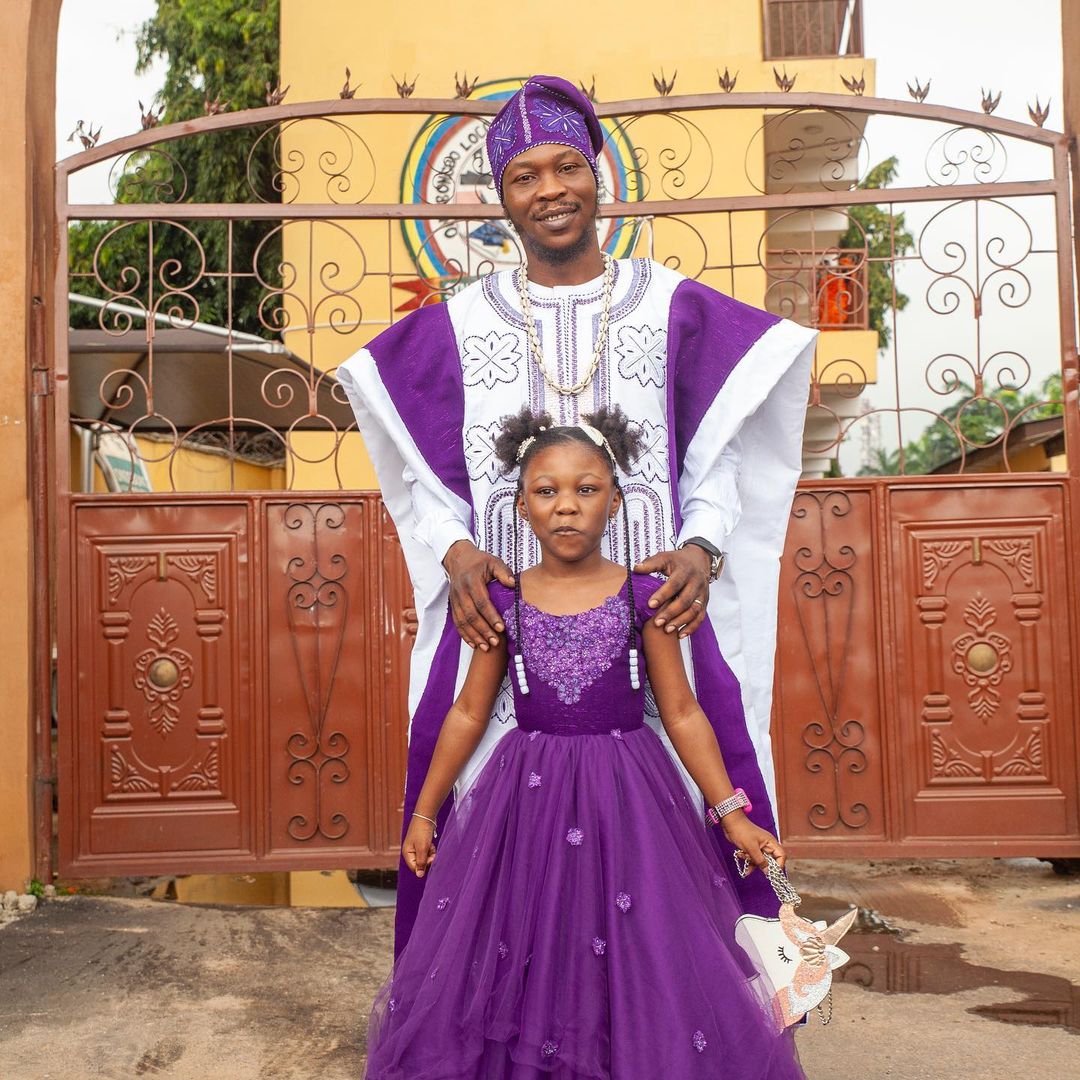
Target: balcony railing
[
  {"x": 825, "y": 289},
  {"x": 812, "y": 28}
]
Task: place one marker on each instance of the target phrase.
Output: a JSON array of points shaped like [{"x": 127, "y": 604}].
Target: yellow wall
[
  {"x": 27, "y": 99},
  {"x": 620, "y": 44}
]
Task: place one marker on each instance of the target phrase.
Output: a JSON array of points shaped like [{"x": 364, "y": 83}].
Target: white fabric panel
[
  {"x": 710, "y": 500},
  {"x": 437, "y": 525}
]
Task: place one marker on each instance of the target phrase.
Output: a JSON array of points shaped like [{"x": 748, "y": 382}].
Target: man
[{"x": 718, "y": 387}]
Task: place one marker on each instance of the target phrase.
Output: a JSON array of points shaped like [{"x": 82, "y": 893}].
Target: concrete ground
[{"x": 979, "y": 986}]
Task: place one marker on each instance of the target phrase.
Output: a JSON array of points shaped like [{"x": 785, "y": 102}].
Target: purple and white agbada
[{"x": 719, "y": 389}]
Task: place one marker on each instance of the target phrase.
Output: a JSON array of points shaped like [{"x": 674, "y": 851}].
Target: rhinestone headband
[
  {"x": 595, "y": 434},
  {"x": 597, "y": 437}
]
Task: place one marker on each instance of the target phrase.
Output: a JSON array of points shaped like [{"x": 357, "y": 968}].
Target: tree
[
  {"x": 885, "y": 239},
  {"x": 979, "y": 419},
  {"x": 219, "y": 53}
]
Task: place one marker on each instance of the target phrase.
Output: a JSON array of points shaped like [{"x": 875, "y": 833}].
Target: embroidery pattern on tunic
[
  {"x": 642, "y": 352},
  {"x": 480, "y": 452},
  {"x": 490, "y": 359}
]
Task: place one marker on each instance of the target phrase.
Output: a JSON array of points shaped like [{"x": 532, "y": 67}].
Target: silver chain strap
[
  {"x": 783, "y": 888},
  {"x": 825, "y": 1019},
  {"x": 601, "y": 333}
]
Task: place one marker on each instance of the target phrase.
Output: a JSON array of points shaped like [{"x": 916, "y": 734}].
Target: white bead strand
[{"x": 519, "y": 672}]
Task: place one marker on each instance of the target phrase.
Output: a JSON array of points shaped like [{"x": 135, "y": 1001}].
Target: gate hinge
[{"x": 41, "y": 383}]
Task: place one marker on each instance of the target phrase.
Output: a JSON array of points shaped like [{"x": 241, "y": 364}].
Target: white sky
[
  {"x": 961, "y": 45},
  {"x": 96, "y": 80}
]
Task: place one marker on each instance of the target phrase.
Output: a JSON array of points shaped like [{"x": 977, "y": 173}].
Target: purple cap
[{"x": 546, "y": 109}]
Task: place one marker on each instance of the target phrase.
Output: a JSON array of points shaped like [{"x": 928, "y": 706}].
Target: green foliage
[
  {"x": 222, "y": 51},
  {"x": 886, "y": 239},
  {"x": 980, "y": 420}
]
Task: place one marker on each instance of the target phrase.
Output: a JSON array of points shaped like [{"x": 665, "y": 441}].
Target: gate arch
[{"x": 233, "y": 622}]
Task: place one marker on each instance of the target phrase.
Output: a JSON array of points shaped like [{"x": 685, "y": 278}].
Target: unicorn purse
[{"x": 796, "y": 956}]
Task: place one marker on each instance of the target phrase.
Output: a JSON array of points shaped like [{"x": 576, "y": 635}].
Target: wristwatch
[{"x": 716, "y": 556}]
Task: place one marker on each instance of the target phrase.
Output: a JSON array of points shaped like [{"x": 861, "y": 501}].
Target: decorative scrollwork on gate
[
  {"x": 344, "y": 167},
  {"x": 827, "y": 142},
  {"x": 151, "y": 175},
  {"x": 966, "y": 155},
  {"x": 983, "y": 270},
  {"x": 317, "y": 605},
  {"x": 826, "y": 582}
]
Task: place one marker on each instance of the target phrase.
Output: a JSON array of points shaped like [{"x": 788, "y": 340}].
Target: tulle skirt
[{"x": 577, "y": 924}]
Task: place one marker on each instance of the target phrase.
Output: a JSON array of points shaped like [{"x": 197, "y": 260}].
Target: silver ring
[{"x": 699, "y": 603}]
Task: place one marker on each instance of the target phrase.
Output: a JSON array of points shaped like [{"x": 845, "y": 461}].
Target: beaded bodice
[{"x": 578, "y": 666}]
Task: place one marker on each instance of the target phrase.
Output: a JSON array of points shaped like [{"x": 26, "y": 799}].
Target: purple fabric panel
[
  {"x": 427, "y": 721},
  {"x": 708, "y": 334},
  {"x": 419, "y": 365},
  {"x": 719, "y": 696}
]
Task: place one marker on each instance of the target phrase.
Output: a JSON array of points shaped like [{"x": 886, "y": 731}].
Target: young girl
[{"x": 578, "y": 924}]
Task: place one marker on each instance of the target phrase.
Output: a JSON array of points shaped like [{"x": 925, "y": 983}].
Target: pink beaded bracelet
[{"x": 738, "y": 801}]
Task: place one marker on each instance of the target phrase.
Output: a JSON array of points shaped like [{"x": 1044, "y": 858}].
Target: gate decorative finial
[
  {"x": 346, "y": 92},
  {"x": 785, "y": 81},
  {"x": 989, "y": 102},
  {"x": 727, "y": 80},
  {"x": 87, "y": 136},
  {"x": 919, "y": 92},
  {"x": 462, "y": 86},
  {"x": 216, "y": 106},
  {"x": 150, "y": 118},
  {"x": 663, "y": 85},
  {"x": 856, "y": 86},
  {"x": 1039, "y": 113},
  {"x": 404, "y": 87},
  {"x": 275, "y": 95}
]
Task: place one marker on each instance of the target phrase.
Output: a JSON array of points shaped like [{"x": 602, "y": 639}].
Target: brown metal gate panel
[
  {"x": 236, "y": 687},
  {"x": 827, "y": 723},
  {"x": 336, "y": 596},
  {"x": 163, "y": 716},
  {"x": 923, "y": 690},
  {"x": 979, "y": 594}
]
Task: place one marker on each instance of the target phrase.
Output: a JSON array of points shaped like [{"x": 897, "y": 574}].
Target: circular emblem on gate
[
  {"x": 982, "y": 658},
  {"x": 163, "y": 673},
  {"x": 447, "y": 163}
]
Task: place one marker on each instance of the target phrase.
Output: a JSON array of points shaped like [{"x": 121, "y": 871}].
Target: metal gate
[{"x": 232, "y": 613}]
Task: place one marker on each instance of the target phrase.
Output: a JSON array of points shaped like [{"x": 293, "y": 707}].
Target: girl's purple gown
[{"x": 577, "y": 922}]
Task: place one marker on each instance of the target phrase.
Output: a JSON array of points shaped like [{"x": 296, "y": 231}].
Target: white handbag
[{"x": 796, "y": 956}]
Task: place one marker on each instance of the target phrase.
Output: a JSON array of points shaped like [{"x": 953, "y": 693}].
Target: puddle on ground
[{"x": 884, "y": 962}]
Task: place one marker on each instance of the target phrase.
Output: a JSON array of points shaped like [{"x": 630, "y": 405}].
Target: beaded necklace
[{"x": 601, "y": 336}]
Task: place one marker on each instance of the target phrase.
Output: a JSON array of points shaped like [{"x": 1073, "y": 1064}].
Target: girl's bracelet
[
  {"x": 738, "y": 801},
  {"x": 434, "y": 824}
]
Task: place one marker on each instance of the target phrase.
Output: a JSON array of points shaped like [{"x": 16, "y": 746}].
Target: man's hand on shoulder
[
  {"x": 681, "y": 601},
  {"x": 470, "y": 570}
]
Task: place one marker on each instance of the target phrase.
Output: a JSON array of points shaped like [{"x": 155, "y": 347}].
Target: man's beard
[{"x": 560, "y": 256}]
